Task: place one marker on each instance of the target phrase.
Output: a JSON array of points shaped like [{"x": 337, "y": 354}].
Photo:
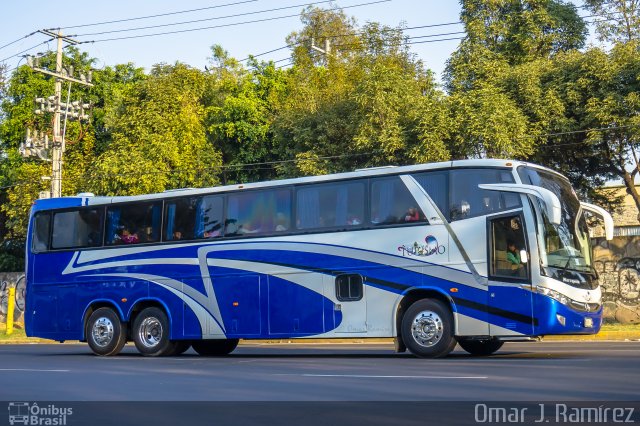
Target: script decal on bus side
[{"x": 430, "y": 247}]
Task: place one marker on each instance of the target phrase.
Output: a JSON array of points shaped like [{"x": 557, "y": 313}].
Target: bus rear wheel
[
  {"x": 151, "y": 333},
  {"x": 215, "y": 347},
  {"x": 479, "y": 347},
  {"x": 427, "y": 329},
  {"x": 105, "y": 334}
]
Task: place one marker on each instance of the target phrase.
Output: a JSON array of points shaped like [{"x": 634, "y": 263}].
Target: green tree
[
  {"x": 496, "y": 78},
  {"x": 240, "y": 108},
  {"x": 600, "y": 91},
  {"x": 368, "y": 102},
  {"x": 159, "y": 139},
  {"x": 503, "y": 33},
  {"x": 618, "y": 20}
]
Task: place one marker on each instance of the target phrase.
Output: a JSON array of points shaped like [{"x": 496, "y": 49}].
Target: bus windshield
[{"x": 565, "y": 246}]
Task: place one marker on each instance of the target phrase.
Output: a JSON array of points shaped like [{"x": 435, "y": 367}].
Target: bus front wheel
[
  {"x": 427, "y": 329},
  {"x": 480, "y": 347},
  {"x": 214, "y": 347},
  {"x": 105, "y": 334},
  {"x": 151, "y": 333}
]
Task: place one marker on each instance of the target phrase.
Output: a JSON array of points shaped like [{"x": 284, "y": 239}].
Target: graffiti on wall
[
  {"x": 618, "y": 265},
  {"x": 19, "y": 284}
]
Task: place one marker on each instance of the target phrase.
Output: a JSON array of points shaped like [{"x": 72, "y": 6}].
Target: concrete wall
[
  {"x": 618, "y": 265},
  {"x": 7, "y": 279}
]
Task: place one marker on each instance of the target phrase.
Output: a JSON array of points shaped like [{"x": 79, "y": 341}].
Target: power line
[
  {"x": 222, "y": 26},
  {"x": 203, "y": 20},
  {"x": 159, "y": 15},
  {"x": 409, "y": 38},
  {"x": 267, "y": 52},
  {"x": 26, "y": 50},
  {"x": 355, "y": 33},
  {"x": 15, "y": 41}
]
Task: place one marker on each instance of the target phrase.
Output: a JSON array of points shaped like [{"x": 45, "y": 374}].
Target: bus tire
[
  {"x": 427, "y": 329},
  {"x": 482, "y": 347},
  {"x": 151, "y": 333},
  {"x": 215, "y": 347},
  {"x": 105, "y": 333}
]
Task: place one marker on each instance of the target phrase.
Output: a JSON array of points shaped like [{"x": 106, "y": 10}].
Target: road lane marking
[
  {"x": 34, "y": 370},
  {"x": 371, "y": 376}
]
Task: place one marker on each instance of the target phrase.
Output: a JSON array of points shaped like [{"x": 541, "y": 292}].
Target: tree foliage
[{"x": 618, "y": 20}]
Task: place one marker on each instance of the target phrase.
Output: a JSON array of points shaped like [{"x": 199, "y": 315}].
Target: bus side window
[
  {"x": 133, "y": 223},
  {"x": 193, "y": 218},
  {"x": 258, "y": 212},
  {"x": 436, "y": 184},
  {"x": 77, "y": 228},
  {"x": 467, "y": 200},
  {"x": 41, "y": 229},
  {"x": 330, "y": 205},
  {"x": 392, "y": 203}
]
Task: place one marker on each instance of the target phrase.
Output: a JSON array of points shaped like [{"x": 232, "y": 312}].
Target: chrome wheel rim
[
  {"x": 102, "y": 331},
  {"x": 150, "y": 332},
  {"x": 427, "y": 328}
]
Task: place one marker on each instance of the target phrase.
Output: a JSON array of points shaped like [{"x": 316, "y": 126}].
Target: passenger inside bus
[
  {"x": 282, "y": 222},
  {"x": 412, "y": 215},
  {"x": 126, "y": 237}
]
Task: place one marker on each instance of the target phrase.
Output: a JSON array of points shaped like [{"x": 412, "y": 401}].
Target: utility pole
[
  {"x": 55, "y": 105},
  {"x": 327, "y": 48}
]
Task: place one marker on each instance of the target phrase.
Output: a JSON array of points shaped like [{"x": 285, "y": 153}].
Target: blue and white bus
[{"x": 475, "y": 252}]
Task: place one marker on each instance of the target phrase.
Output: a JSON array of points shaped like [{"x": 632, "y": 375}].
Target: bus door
[{"x": 510, "y": 304}]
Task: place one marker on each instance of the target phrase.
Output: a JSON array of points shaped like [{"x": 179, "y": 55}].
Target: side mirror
[{"x": 524, "y": 256}]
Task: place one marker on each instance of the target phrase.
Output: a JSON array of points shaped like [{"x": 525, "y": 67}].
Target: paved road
[{"x": 547, "y": 371}]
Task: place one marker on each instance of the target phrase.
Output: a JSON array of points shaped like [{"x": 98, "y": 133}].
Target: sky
[
  {"x": 20, "y": 18},
  {"x": 194, "y": 47}
]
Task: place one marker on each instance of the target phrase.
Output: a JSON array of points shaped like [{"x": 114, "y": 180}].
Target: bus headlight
[
  {"x": 555, "y": 295},
  {"x": 567, "y": 301}
]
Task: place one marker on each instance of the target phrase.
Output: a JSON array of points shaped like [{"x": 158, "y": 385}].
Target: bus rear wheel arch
[
  {"x": 105, "y": 333},
  {"x": 150, "y": 333},
  {"x": 427, "y": 329}
]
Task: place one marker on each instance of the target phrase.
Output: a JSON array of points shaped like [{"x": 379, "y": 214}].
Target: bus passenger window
[
  {"x": 41, "y": 232},
  {"x": 133, "y": 223},
  {"x": 258, "y": 212},
  {"x": 330, "y": 205},
  {"x": 193, "y": 218},
  {"x": 392, "y": 203},
  {"x": 77, "y": 228},
  {"x": 436, "y": 184},
  {"x": 467, "y": 200}
]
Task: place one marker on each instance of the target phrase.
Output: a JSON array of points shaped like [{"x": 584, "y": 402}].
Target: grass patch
[
  {"x": 18, "y": 333},
  {"x": 630, "y": 328}
]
